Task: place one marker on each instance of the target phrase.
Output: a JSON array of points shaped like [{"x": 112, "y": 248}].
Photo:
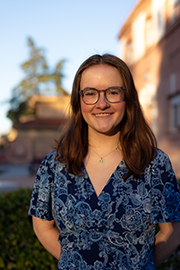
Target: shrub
[{"x": 19, "y": 247}]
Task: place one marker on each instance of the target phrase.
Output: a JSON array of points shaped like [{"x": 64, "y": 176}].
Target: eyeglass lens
[{"x": 91, "y": 96}]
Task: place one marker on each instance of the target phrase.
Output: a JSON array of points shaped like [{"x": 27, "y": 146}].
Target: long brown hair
[{"x": 136, "y": 138}]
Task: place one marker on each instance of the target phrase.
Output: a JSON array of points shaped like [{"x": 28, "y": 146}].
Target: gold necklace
[{"x": 101, "y": 160}]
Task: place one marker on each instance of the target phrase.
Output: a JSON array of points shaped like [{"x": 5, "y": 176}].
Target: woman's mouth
[{"x": 102, "y": 114}]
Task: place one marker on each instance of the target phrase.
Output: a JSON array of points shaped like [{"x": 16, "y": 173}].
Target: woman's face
[{"x": 103, "y": 117}]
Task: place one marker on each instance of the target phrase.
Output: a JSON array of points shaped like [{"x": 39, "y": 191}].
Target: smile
[{"x": 102, "y": 114}]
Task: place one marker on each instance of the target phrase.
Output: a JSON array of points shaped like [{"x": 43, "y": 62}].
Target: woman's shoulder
[
  {"x": 51, "y": 160},
  {"x": 162, "y": 162},
  {"x": 161, "y": 155},
  {"x": 49, "y": 165}
]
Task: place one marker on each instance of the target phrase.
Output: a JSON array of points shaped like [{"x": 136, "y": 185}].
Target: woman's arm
[
  {"x": 48, "y": 235},
  {"x": 167, "y": 240}
]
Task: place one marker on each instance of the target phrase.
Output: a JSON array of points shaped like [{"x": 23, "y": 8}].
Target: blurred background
[{"x": 42, "y": 45}]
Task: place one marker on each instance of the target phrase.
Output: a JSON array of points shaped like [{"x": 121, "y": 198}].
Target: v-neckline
[{"x": 106, "y": 184}]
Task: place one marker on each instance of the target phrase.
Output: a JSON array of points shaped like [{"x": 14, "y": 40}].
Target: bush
[{"x": 19, "y": 247}]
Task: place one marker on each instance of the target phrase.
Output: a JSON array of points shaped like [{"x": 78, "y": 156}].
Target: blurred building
[
  {"x": 35, "y": 135},
  {"x": 150, "y": 45}
]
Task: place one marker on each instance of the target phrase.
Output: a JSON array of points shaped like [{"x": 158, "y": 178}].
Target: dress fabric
[{"x": 114, "y": 231}]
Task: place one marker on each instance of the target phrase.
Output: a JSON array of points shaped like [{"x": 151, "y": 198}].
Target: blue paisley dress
[{"x": 114, "y": 231}]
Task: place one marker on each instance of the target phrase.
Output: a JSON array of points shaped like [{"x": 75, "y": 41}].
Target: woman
[{"x": 99, "y": 195}]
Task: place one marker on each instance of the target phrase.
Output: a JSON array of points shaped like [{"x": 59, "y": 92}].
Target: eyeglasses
[{"x": 112, "y": 94}]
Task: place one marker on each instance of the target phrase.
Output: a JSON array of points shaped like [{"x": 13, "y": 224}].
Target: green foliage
[
  {"x": 21, "y": 109},
  {"x": 39, "y": 80},
  {"x": 19, "y": 247}
]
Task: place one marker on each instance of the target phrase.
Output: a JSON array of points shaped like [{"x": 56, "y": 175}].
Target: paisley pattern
[{"x": 115, "y": 230}]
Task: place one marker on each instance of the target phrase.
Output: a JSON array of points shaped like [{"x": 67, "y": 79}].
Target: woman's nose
[{"x": 102, "y": 102}]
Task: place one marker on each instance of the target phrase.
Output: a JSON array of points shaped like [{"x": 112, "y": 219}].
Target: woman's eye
[
  {"x": 113, "y": 92},
  {"x": 90, "y": 93}
]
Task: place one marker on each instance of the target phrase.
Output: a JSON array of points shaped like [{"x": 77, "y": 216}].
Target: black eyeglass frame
[{"x": 81, "y": 93}]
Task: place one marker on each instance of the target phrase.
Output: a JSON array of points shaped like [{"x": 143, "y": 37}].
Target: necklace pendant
[{"x": 101, "y": 161}]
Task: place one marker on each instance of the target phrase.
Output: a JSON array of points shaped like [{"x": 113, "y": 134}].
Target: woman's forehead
[{"x": 100, "y": 75}]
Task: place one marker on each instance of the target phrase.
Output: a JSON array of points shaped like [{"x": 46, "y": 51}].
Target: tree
[{"x": 39, "y": 80}]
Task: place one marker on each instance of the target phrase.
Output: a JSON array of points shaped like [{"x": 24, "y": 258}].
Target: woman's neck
[{"x": 103, "y": 141}]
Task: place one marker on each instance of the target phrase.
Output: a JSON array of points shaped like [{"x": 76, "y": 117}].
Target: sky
[{"x": 67, "y": 29}]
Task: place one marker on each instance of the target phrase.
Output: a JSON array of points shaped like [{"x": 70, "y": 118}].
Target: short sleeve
[
  {"x": 41, "y": 199},
  {"x": 165, "y": 192}
]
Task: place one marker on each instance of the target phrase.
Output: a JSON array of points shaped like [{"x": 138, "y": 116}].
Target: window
[
  {"x": 158, "y": 18},
  {"x": 175, "y": 113},
  {"x": 177, "y": 8},
  {"x": 172, "y": 83},
  {"x": 174, "y": 10},
  {"x": 149, "y": 32},
  {"x": 160, "y": 22},
  {"x": 138, "y": 36},
  {"x": 129, "y": 55}
]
